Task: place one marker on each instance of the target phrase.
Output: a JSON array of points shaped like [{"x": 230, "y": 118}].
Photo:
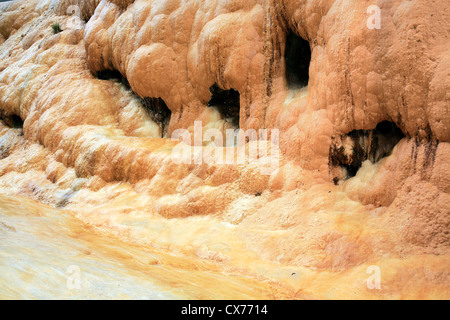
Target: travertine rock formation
[{"x": 364, "y": 171}]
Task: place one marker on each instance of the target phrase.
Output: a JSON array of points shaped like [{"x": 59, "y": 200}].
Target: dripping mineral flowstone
[{"x": 362, "y": 178}]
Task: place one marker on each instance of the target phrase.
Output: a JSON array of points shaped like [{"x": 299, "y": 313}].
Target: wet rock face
[
  {"x": 364, "y": 107},
  {"x": 155, "y": 107}
]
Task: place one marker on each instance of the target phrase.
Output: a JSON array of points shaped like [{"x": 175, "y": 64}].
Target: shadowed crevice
[
  {"x": 11, "y": 120},
  {"x": 298, "y": 58},
  {"x": 113, "y": 75},
  {"x": 159, "y": 112},
  {"x": 227, "y": 103},
  {"x": 351, "y": 150}
]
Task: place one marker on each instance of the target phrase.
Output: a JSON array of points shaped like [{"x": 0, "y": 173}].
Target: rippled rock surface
[{"x": 91, "y": 93}]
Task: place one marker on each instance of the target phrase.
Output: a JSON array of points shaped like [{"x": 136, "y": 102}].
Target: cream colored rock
[{"x": 364, "y": 172}]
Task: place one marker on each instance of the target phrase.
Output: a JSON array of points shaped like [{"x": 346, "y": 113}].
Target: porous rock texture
[{"x": 76, "y": 133}]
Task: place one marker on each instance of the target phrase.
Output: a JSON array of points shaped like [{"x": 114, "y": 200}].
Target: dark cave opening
[
  {"x": 159, "y": 112},
  {"x": 297, "y": 58},
  {"x": 363, "y": 145},
  {"x": 227, "y": 102},
  {"x": 113, "y": 75},
  {"x": 15, "y": 121},
  {"x": 109, "y": 75},
  {"x": 12, "y": 120}
]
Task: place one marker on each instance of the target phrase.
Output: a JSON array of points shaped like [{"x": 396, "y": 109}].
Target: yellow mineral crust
[{"x": 362, "y": 180}]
